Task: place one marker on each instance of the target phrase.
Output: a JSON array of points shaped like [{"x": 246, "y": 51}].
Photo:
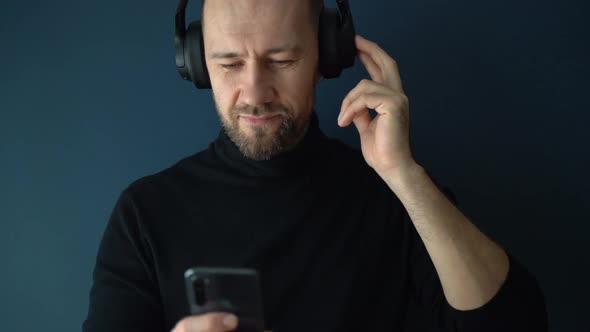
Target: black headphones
[{"x": 337, "y": 49}]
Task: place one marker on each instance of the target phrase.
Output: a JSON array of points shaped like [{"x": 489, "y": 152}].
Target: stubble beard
[{"x": 264, "y": 141}]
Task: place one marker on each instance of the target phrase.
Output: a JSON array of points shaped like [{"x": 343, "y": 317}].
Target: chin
[{"x": 260, "y": 143}]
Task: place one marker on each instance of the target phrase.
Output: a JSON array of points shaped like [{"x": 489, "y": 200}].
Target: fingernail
[{"x": 230, "y": 321}]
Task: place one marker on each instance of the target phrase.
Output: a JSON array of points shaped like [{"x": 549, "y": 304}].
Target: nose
[{"x": 257, "y": 88}]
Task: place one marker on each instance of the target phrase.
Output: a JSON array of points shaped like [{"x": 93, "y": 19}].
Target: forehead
[{"x": 259, "y": 21}]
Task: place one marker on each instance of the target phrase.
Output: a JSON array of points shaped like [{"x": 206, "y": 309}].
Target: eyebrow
[{"x": 283, "y": 49}]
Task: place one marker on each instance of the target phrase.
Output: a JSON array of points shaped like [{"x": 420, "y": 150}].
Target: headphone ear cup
[
  {"x": 328, "y": 39},
  {"x": 194, "y": 56}
]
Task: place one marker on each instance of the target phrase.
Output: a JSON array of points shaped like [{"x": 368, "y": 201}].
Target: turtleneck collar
[{"x": 293, "y": 162}]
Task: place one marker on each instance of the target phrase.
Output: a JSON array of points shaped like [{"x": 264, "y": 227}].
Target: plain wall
[{"x": 90, "y": 100}]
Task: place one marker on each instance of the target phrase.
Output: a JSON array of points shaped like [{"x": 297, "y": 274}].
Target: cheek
[
  {"x": 225, "y": 92},
  {"x": 297, "y": 87}
]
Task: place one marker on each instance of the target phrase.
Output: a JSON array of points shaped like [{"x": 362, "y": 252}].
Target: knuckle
[
  {"x": 400, "y": 101},
  {"x": 364, "y": 82},
  {"x": 405, "y": 100},
  {"x": 391, "y": 63}
]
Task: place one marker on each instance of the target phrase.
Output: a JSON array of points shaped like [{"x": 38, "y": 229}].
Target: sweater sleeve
[
  {"x": 518, "y": 305},
  {"x": 124, "y": 294}
]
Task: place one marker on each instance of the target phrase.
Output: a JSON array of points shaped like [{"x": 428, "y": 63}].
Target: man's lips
[{"x": 259, "y": 119}]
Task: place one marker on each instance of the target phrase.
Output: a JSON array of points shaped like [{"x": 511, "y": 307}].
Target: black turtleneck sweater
[{"x": 333, "y": 245}]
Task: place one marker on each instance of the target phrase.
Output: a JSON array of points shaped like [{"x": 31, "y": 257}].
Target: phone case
[{"x": 226, "y": 289}]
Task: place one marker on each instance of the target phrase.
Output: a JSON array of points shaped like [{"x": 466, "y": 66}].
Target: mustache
[{"x": 260, "y": 110}]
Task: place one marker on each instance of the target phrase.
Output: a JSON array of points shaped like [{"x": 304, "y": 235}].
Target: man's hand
[
  {"x": 471, "y": 267},
  {"x": 385, "y": 139},
  {"x": 210, "y": 322}
]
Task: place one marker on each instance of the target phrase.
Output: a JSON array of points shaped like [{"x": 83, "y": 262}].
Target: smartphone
[{"x": 226, "y": 289}]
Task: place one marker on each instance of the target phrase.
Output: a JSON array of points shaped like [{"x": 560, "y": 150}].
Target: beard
[{"x": 264, "y": 141}]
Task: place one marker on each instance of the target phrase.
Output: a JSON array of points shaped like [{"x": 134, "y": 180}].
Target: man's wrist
[{"x": 403, "y": 177}]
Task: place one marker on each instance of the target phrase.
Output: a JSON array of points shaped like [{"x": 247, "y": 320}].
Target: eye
[
  {"x": 230, "y": 65},
  {"x": 281, "y": 62}
]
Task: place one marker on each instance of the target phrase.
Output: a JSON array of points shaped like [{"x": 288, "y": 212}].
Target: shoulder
[{"x": 170, "y": 180}]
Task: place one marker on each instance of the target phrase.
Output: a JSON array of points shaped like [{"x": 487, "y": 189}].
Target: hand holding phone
[{"x": 212, "y": 291}]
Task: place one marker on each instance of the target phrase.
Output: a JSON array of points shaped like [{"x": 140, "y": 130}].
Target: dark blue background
[{"x": 90, "y": 100}]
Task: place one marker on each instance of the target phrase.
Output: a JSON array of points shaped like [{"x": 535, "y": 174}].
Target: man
[{"x": 343, "y": 240}]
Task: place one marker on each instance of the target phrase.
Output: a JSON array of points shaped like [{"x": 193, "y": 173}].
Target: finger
[
  {"x": 372, "y": 68},
  {"x": 361, "y": 104},
  {"x": 386, "y": 63},
  {"x": 357, "y": 108},
  {"x": 210, "y": 322},
  {"x": 362, "y": 121},
  {"x": 364, "y": 86}
]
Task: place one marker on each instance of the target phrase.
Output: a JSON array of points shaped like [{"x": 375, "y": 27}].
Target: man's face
[{"x": 262, "y": 59}]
